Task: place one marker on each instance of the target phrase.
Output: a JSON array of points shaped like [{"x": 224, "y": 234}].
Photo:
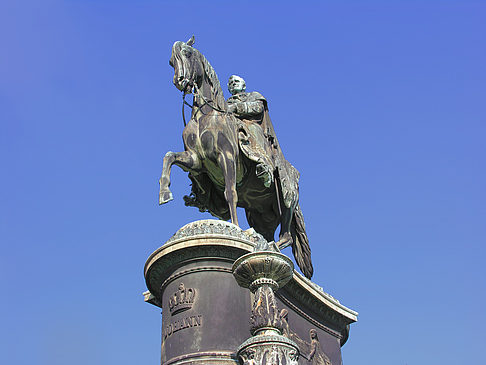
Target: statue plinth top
[{"x": 216, "y": 238}]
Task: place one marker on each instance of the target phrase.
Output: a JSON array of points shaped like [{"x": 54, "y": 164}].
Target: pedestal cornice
[{"x": 224, "y": 242}]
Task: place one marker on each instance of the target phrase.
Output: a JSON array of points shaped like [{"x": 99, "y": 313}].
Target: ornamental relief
[
  {"x": 311, "y": 351},
  {"x": 182, "y": 300}
]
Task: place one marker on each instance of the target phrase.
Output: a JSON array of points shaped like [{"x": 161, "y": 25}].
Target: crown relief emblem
[{"x": 182, "y": 299}]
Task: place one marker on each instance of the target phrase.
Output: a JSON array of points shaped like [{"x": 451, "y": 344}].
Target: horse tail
[{"x": 300, "y": 246}]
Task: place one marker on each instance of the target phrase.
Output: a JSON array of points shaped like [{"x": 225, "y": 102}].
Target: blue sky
[{"x": 379, "y": 104}]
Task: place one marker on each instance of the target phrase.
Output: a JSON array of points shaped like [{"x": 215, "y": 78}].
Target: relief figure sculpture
[{"x": 312, "y": 351}]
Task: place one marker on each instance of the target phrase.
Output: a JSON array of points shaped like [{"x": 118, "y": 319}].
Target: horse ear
[{"x": 191, "y": 41}]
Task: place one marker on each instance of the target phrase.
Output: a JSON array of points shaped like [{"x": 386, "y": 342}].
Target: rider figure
[{"x": 258, "y": 144}]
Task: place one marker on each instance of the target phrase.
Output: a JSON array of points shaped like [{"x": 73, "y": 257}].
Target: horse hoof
[
  {"x": 165, "y": 197},
  {"x": 285, "y": 241}
]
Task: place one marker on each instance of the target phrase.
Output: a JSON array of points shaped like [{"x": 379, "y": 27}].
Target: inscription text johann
[{"x": 183, "y": 323}]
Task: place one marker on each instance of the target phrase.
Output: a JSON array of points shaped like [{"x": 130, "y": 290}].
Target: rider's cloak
[{"x": 258, "y": 141}]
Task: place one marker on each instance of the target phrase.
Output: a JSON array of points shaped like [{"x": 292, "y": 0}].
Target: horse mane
[{"x": 216, "y": 90}]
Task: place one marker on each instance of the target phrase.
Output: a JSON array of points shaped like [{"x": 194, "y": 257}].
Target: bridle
[{"x": 196, "y": 92}]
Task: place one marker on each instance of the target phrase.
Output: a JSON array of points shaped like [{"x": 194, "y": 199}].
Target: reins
[
  {"x": 199, "y": 107},
  {"x": 186, "y": 103}
]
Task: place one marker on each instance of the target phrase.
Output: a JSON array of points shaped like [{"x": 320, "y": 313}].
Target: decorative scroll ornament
[
  {"x": 264, "y": 313},
  {"x": 217, "y": 227},
  {"x": 271, "y": 352}
]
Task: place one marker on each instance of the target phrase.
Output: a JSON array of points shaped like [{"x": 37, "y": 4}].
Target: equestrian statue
[{"x": 233, "y": 157}]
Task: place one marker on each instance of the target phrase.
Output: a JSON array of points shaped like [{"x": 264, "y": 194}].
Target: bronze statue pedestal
[{"x": 207, "y": 315}]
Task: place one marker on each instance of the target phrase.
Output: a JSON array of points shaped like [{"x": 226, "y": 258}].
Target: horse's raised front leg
[
  {"x": 228, "y": 166},
  {"x": 187, "y": 160}
]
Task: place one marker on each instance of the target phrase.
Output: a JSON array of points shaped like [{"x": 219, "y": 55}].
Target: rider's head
[{"x": 236, "y": 85}]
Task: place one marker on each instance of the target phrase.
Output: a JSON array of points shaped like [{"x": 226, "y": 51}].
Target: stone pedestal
[{"x": 207, "y": 316}]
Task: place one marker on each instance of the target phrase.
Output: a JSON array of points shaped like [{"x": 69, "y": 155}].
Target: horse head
[{"x": 188, "y": 69}]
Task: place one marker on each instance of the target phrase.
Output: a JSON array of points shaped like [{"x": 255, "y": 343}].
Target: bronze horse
[{"x": 222, "y": 176}]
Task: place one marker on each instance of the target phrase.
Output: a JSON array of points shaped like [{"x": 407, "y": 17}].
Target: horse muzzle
[{"x": 184, "y": 85}]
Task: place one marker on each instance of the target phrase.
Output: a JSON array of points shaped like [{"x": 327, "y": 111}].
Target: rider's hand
[{"x": 232, "y": 108}]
